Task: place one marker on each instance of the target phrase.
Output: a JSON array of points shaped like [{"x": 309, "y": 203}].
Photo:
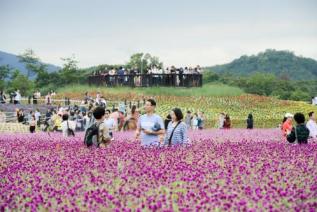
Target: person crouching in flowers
[{"x": 176, "y": 133}]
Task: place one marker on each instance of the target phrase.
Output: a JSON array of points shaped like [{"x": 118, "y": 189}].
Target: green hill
[{"x": 283, "y": 64}]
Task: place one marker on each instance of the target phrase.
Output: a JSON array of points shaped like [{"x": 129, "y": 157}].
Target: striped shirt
[{"x": 179, "y": 135}]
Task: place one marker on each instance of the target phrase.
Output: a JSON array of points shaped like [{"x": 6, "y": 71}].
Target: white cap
[{"x": 289, "y": 115}]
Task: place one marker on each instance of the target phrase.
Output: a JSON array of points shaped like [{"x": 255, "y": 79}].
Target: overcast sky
[{"x": 179, "y": 32}]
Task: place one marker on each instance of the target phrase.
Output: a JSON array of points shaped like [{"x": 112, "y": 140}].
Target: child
[{"x": 300, "y": 133}]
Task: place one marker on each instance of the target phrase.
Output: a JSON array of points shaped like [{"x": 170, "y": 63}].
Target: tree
[
  {"x": 136, "y": 61},
  {"x": 14, "y": 74},
  {"x": 69, "y": 73},
  {"x": 21, "y": 82},
  {"x": 4, "y": 74},
  {"x": 43, "y": 78},
  {"x": 30, "y": 60},
  {"x": 299, "y": 95},
  {"x": 143, "y": 62},
  {"x": 210, "y": 76},
  {"x": 261, "y": 84},
  {"x": 155, "y": 61}
]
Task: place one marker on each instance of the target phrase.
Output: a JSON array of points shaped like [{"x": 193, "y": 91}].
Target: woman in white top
[
  {"x": 17, "y": 98},
  {"x": 110, "y": 123},
  {"x": 66, "y": 125},
  {"x": 195, "y": 122},
  {"x": 312, "y": 125}
]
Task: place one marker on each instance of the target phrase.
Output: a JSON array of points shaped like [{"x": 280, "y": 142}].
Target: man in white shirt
[
  {"x": 311, "y": 125},
  {"x": 150, "y": 126},
  {"x": 37, "y": 117},
  {"x": 17, "y": 98}
]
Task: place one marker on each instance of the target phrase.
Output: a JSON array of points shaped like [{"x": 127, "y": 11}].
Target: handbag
[{"x": 170, "y": 139}]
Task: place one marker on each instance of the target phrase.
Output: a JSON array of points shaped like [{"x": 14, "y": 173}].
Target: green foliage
[
  {"x": 69, "y": 73},
  {"x": 281, "y": 94},
  {"x": 283, "y": 64},
  {"x": 21, "y": 82},
  {"x": 4, "y": 74},
  {"x": 206, "y": 90},
  {"x": 268, "y": 84},
  {"x": 30, "y": 60},
  {"x": 261, "y": 84},
  {"x": 210, "y": 76},
  {"x": 299, "y": 95},
  {"x": 99, "y": 68},
  {"x": 143, "y": 61}
]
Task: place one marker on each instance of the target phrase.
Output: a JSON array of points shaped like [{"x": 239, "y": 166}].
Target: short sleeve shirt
[{"x": 147, "y": 122}]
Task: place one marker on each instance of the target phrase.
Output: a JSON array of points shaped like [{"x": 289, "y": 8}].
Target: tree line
[{"x": 266, "y": 84}]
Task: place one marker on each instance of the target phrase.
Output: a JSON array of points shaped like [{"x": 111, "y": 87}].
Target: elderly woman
[{"x": 176, "y": 133}]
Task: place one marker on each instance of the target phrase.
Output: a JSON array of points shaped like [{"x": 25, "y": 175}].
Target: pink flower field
[{"x": 236, "y": 170}]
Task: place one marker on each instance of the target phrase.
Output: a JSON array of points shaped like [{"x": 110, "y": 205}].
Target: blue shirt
[
  {"x": 179, "y": 136},
  {"x": 147, "y": 122}
]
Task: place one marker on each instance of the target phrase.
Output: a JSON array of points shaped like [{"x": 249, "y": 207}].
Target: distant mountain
[
  {"x": 13, "y": 61},
  {"x": 283, "y": 64}
]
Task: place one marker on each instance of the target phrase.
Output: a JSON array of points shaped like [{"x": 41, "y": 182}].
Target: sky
[{"x": 179, "y": 32}]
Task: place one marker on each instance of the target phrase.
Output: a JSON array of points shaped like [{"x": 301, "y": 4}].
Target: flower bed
[{"x": 221, "y": 170}]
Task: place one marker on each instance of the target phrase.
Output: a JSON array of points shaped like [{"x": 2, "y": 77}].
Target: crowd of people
[
  {"x": 150, "y": 127},
  {"x": 151, "y": 70},
  {"x": 154, "y": 76},
  {"x": 16, "y": 97},
  {"x": 80, "y": 117}
]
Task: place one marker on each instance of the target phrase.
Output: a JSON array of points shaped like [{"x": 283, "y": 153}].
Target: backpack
[{"x": 91, "y": 131}]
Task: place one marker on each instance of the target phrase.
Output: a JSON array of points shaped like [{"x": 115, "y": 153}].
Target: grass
[{"x": 207, "y": 90}]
